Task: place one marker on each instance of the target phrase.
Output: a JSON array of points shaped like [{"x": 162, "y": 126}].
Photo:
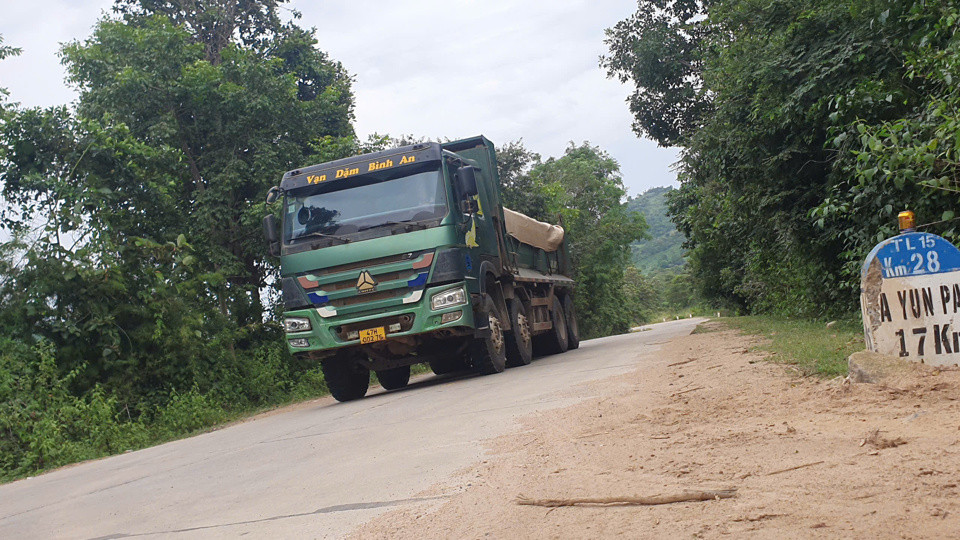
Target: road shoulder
[{"x": 807, "y": 457}]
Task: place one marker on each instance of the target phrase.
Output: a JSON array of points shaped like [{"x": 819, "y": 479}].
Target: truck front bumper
[{"x": 331, "y": 333}]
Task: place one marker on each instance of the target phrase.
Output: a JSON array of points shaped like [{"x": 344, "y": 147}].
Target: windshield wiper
[
  {"x": 408, "y": 225},
  {"x": 342, "y": 239}
]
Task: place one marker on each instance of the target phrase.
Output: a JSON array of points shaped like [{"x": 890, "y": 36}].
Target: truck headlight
[
  {"x": 296, "y": 324},
  {"x": 450, "y": 298}
]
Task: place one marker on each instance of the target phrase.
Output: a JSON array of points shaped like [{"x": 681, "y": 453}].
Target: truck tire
[
  {"x": 555, "y": 340},
  {"x": 489, "y": 355},
  {"x": 450, "y": 364},
  {"x": 346, "y": 380},
  {"x": 392, "y": 379},
  {"x": 447, "y": 356},
  {"x": 519, "y": 338},
  {"x": 570, "y": 314}
]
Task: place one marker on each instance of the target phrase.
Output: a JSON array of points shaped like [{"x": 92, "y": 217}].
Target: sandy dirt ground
[{"x": 807, "y": 458}]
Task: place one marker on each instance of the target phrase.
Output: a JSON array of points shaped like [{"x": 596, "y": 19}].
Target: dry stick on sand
[
  {"x": 685, "y": 391},
  {"x": 681, "y": 363},
  {"x": 795, "y": 468},
  {"x": 686, "y": 496}
]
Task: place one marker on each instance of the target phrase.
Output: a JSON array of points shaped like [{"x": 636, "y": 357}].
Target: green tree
[
  {"x": 641, "y": 295},
  {"x": 215, "y": 23},
  {"x": 908, "y": 162},
  {"x": 146, "y": 269},
  {"x": 517, "y": 188},
  {"x": 6, "y": 51},
  {"x": 233, "y": 126},
  {"x": 778, "y": 77},
  {"x": 584, "y": 189},
  {"x": 659, "y": 50}
]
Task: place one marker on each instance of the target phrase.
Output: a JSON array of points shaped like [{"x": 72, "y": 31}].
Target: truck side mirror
[
  {"x": 273, "y": 194},
  {"x": 271, "y": 234},
  {"x": 466, "y": 181}
]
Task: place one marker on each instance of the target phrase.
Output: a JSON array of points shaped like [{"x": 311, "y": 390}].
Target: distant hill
[{"x": 663, "y": 250}]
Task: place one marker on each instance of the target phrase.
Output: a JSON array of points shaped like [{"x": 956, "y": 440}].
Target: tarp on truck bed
[{"x": 530, "y": 231}]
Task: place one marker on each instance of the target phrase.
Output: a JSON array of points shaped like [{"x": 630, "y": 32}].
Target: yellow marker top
[{"x": 907, "y": 220}]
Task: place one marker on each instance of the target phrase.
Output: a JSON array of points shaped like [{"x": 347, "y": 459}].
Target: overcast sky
[{"x": 433, "y": 68}]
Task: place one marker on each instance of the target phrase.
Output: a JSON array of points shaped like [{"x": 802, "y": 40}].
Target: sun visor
[{"x": 367, "y": 164}]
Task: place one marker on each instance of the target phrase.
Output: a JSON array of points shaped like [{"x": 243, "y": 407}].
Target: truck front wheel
[
  {"x": 346, "y": 379},
  {"x": 489, "y": 354},
  {"x": 450, "y": 364},
  {"x": 392, "y": 379}
]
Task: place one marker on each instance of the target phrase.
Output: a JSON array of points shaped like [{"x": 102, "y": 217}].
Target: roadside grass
[{"x": 809, "y": 345}]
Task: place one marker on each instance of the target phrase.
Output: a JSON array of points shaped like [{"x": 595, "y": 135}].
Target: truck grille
[
  {"x": 336, "y": 288},
  {"x": 370, "y": 263},
  {"x": 365, "y": 298},
  {"x": 352, "y": 283}
]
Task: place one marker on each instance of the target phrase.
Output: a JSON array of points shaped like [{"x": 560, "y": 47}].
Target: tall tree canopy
[
  {"x": 214, "y": 23},
  {"x": 659, "y": 50},
  {"x": 138, "y": 258},
  {"x": 771, "y": 139}
]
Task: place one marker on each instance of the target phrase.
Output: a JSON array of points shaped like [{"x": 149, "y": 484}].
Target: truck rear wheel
[
  {"x": 570, "y": 314},
  {"x": 392, "y": 379},
  {"x": 346, "y": 379},
  {"x": 519, "y": 338},
  {"x": 489, "y": 354},
  {"x": 555, "y": 340}
]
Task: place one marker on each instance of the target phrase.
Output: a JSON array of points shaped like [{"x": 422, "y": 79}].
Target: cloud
[
  {"x": 509, "y": 70},
  {"x": 36, "y": 78}
]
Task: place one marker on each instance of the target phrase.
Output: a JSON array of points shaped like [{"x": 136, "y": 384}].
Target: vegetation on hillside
[
  {"x": 659, "y": 283},
  {"x": 805, "y": 127},
  {"x": 662, "y": 250}
]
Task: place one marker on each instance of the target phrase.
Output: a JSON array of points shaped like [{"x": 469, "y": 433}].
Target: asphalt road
[{"x": 317, "y": 471}]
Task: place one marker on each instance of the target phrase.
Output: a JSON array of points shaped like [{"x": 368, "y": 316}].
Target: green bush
[
  {"x": 46, "y": 423},
  {"x": 43, "y": 425},
  {"x": 188, "y": 412}
]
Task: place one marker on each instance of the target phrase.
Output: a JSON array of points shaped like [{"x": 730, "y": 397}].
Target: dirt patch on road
[{"x": 807, "y": 458}]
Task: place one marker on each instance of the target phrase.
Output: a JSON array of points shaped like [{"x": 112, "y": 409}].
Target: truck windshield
[{"x": 366, "y": 206}]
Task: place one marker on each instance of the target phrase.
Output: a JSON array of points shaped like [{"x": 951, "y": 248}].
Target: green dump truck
[{"x": 407, "y": 256}]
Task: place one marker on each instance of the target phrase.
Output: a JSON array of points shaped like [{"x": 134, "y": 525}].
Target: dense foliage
[
  {"x": 806, "y": 126},
  {"x": 132, "y": 288}
]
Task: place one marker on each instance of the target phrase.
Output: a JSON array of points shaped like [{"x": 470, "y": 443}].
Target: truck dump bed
[
  {"x": 531, "y": 250},
  {"x": 537, "y": 250}
]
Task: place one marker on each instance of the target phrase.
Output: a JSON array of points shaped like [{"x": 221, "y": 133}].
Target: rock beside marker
[{"x": 871, "y": 367}]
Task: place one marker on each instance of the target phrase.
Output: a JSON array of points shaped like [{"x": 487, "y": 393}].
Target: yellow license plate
[{"x": 372, "y": 335}]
